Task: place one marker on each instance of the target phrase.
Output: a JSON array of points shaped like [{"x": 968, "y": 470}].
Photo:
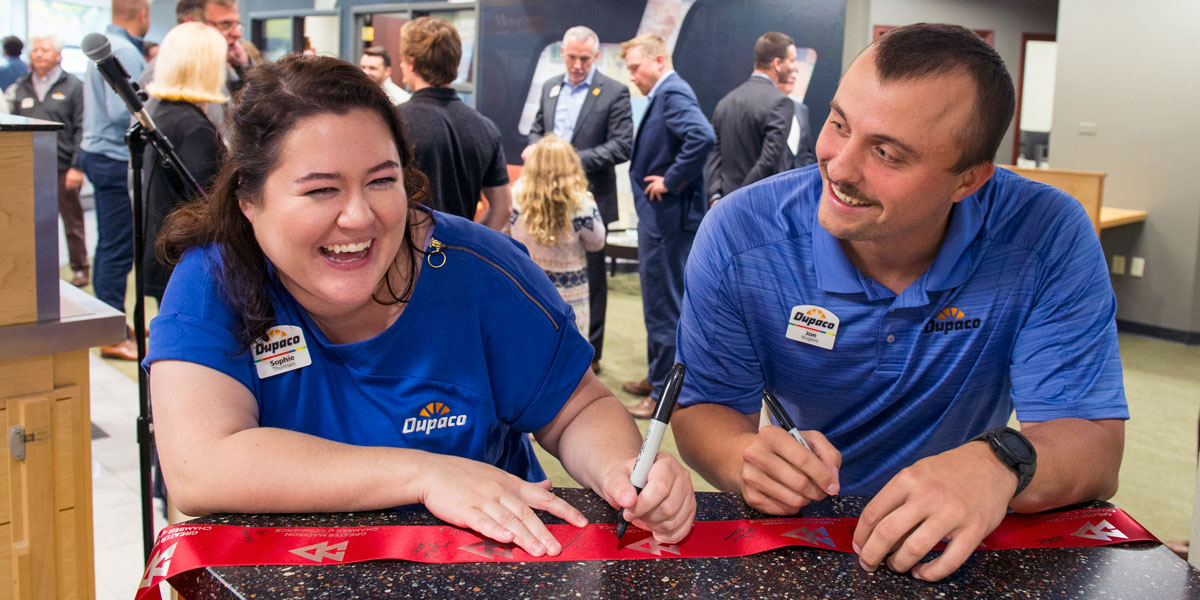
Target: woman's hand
[
  {"x": 666, "y": 506},
  {"x": 499, "y": 505}
]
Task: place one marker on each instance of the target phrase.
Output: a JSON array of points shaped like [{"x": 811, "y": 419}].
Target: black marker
[
  {"x": 785, "y": 421},
  {"x": 654, "y": 436}
]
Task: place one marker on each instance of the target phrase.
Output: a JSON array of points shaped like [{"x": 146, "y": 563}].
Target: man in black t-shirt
[{"x": 456, "y": 147}]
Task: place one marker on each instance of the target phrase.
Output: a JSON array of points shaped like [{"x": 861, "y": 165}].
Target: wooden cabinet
[
  {"x": 46, "y": 328},
  {"x": 46, "y": 515}
]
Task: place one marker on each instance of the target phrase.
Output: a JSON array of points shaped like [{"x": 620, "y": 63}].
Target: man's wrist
[{"x": 1013, "y": 451}]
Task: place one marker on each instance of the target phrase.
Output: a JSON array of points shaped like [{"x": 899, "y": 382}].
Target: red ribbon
[{"x": 185, "y": 547}]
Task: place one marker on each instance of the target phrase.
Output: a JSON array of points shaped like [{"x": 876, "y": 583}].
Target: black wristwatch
[{"x": 1014, "y": 450}]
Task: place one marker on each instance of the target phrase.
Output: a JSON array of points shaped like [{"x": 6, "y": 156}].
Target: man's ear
[{"x": 973, "y": 178}]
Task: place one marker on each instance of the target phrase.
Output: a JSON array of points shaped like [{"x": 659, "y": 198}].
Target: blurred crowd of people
[{"x": 567, "y": 198}]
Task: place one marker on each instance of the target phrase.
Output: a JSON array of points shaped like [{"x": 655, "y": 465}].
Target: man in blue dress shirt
[
  {"x": 901, "y": 299},
  {"x": 591, "y": 111},
  {"x": 105, "y": 160}
]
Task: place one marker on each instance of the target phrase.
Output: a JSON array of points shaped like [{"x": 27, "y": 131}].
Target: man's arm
[
  {"x": 619, "y": 141},
  {"x": 962, "y": 494},
  {"x": 712, "y": 166},
  {"x": 682, "y": 116},
  {"x": 770, "y": 469},
  {"x": 774, "y": 146},
  {"x": 538, "y": 129},
  {"x": 499, "y": 206},
  {"x": 76, "y": 126},
  {"x": 1067, "y": 387}
]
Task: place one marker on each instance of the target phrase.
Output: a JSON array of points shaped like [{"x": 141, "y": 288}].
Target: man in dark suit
[
  {"x": 800, "y": 150},
  {"x": 753, "y": 120},
  {"x": 667, "y": 174},
  {"x": 592, "y": 112}
]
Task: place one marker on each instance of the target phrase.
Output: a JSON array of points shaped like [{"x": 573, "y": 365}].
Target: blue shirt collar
[
  {"x": 950, "y": 268},
  {"x": 586, "y": 80}
]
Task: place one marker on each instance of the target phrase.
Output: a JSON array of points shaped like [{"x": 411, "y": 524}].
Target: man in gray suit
[
  {"x": 753, "y": 120},
  {"x": 593, "y": 112}
]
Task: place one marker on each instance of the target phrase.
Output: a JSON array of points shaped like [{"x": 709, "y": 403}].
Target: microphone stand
[{"x": 136, "y": 138}]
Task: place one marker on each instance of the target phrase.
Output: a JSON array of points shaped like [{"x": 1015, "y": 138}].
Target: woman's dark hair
[{"x": 273, "y": 100}]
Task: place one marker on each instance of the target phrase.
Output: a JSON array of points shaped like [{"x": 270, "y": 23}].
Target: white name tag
[
  {"x": 282, "y": 350},
  {"x": 26, "y": 102},
  {"x": 813, "y": 325}
]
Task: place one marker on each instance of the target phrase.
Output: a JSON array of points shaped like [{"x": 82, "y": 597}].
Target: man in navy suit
[
  {"x": 667, "y": 174},
  {"x": 592, "y": 112}
]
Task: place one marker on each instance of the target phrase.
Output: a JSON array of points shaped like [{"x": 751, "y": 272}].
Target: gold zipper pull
[{"x": 437, "y": 251}]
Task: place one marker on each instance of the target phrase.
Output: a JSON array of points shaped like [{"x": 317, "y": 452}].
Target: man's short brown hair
[
  {"x": 127, "y": 10},
  {"x": 930, "y": 49},
  {"x": 650, "y": 44},
  {"x": 195, "y": 8},
  {"x": 770, "y": 46},
  {"x": 381, "y": 52},
  {"x": 434, "y": 47}
]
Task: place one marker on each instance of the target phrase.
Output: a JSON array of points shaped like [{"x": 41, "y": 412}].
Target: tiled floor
[{"x": 116, "y": 499}]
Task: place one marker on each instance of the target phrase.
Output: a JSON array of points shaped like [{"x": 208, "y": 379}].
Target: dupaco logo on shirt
[
  {"x": 433, "y": 416},
  {"x": 950, "y": 320}
]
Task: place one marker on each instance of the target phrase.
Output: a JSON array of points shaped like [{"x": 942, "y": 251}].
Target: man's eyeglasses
[{"x": 224, "y": 26}]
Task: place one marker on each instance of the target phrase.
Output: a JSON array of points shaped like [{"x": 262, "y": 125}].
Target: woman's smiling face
[{"x": 332, "y": 214}]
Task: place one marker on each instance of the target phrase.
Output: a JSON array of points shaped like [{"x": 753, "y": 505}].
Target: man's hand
[
  {"x": 74, "y": 179},
  {"x": 237, "y": 55},
  {"x": 656, "y": 187},
  {"x": 960, "y": 495},
  {"x": 779, "y": 476},
  {"x": 666, "y": 506},
  {"x": 526, "y": 153}
]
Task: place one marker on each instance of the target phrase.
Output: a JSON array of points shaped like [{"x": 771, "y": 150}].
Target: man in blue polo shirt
[{"x": 901, "y": 300}]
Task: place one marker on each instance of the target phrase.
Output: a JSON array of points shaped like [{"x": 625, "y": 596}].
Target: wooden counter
[{"x": 46, "y": 328}]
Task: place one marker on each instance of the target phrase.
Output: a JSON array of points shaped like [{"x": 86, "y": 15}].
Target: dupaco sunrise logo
[
  {"x": 949, "y": 320},
  {"x": 433, "y": 416}
]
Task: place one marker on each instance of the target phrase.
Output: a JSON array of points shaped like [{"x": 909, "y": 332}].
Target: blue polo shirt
[
  {"x": 485, "y": 352},
  {"x": 1016, "y": 311}
]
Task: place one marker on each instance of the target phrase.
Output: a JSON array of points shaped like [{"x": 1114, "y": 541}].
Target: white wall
[
  {"x": 1037, "y": 94},
  {"x": 1007, "y": 18},
  {"x": 1134, "y": 69}
]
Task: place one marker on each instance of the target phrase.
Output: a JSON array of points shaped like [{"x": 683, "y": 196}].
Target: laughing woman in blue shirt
[{"x": 326, "y": 343}]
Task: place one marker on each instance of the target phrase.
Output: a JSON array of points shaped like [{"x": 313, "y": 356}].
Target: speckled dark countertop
[{"x": 1137, "y": 570}]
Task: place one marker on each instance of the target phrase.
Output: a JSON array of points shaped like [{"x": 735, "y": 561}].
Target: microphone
[{"x": 97, "y": 48}]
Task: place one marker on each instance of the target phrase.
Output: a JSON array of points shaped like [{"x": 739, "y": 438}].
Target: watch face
[{"x": 1016, "y": 445}]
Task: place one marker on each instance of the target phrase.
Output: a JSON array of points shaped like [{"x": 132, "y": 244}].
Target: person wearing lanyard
[{"x": 327, "y": 344}]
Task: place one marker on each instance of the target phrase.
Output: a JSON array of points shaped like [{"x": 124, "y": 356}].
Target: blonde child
[{"x": 555, "y": 216}]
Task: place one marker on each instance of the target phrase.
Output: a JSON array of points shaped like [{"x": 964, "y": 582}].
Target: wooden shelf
[{"x": 1111, "y": 216}]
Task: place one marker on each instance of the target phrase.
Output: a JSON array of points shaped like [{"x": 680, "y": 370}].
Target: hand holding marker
[
  {"x": 787, "y": 424},
  {"x": 654, "y": 436}
]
